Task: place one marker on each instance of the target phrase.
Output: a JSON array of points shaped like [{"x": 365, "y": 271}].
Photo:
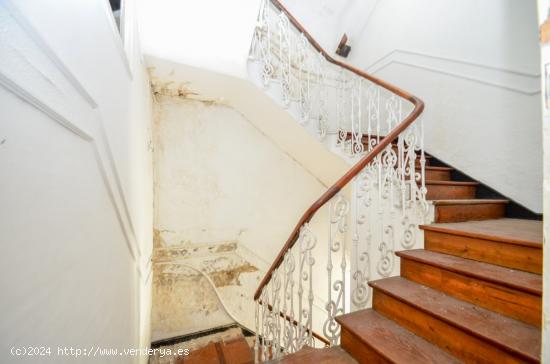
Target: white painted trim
[
  {"x": 117, "y": 39},
  {"x": 462, "y": 76},
  {"x": 49, "y": 53},
  {"x": 375, "y": 68},
  {"x": 456, "y": 60},
  {"x": 148, "y": 276},
  {"x": 31, "y": 99},
  {"x": 106, "y": 180},
  {"x": 149, "y": 268},
  {"x": 118, "y": 182},
  {"x": 102, "y": 153}
]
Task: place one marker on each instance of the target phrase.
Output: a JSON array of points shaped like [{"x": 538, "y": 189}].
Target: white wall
[
  {"x": 476, "y": 66},
  {"x": 321, "y": 19},
  {"x": 543, "y": 8},
  {"x": 76, "y": 186},
  {"x": 210, "y": 34}
]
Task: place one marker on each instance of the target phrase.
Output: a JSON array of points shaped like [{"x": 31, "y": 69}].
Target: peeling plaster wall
[
  {"x": 184, "y": 301},
  {"x": 261, "y": 110},
  {"x": 226, "y": 199}
]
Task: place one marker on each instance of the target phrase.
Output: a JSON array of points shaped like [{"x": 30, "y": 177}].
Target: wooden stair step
[
  {"x": 438, "y": 190},
  {"x": 514, "y": 279},
  {"x": 437, "y": 173},
  {"x": 458, "y": 210},
  {"x": 434, "y": 173},
  {"x": 514, "y": 293},
  {"x": 209, "y": 354},
  {"x": 332, "y": 355},
  {"x": 372, "y": 338},
  {"x": 233, "y": 351},
  {"x": 512, "y": 243},
  {"x": 237, "y": 351},
  {"x": 467, "y": 331}
]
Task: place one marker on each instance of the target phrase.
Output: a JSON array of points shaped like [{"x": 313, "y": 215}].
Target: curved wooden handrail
[
  {"x": 356, "y": 169},
  {"x": 295, "y": 323}
]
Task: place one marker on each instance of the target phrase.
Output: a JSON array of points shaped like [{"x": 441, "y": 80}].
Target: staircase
[{"x": 473, "y": 294}]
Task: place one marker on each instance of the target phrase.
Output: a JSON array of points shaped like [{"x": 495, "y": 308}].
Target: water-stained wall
[{"x": 226, "y": 199}]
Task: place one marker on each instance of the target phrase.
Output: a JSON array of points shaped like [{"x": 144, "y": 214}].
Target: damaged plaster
[
  {"x": 218, "y": 260},
  {"x": 225, "y": 198},
  {"x": 183, "y": 300},
  {"x": 177, "y": 90}
]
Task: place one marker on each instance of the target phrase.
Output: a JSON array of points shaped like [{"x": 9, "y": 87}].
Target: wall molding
[
  {"x": 25, "y": 95},
  {"x": 52, "y": 56},
  {"x": 64, "y": 99},
  {"x": 117, "y": 37},
  {"x": 489, "y": 75}
]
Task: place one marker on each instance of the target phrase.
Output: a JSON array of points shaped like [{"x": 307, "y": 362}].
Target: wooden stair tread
[
  {"x": 510, "y": 292},
  {"x": 391, "y": 341},
  {"x": 453, "y": 209},
  {"x": 475, "y": 201},
  {"x": 332, "y": 355},
  {"x": 210, "y": 353},
  {"x": 237, "y": 351},
  {"x": 436, "y": 168},
  {"x": 513, "y": 231},
  {"x": 515, "y": 279},
  {"x": 232, "y": 351},
  {"x": 509, "y": 334},
  {"x": 451, "y": 183}
]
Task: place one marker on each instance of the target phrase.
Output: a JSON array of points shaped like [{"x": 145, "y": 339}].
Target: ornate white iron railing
[{"x": 372, "y": 211}]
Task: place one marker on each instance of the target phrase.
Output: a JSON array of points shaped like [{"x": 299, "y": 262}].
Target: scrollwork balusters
[
  {"x": 338, "y": 214},
  {"x": 387, "y": 200}
]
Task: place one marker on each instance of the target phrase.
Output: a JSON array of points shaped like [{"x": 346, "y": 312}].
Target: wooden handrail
[
  {"x": 295, "y": 323},
  {"x": 356, "y": 169}
]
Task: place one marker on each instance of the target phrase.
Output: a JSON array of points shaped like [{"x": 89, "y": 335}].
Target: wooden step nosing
[
  {"x": 362, "y": 339},
  {"x": 468, "y": 201},
  {"x": 437, "y": 168},
  {"x": 364, "y": 342},
  {"x": 365, "y": 339},
  {"x": 473, "y": 274},
  {"x": 482, "y": 236},
  {"x": 452, "y": 183},
  {"x": 455, "y": 324}
]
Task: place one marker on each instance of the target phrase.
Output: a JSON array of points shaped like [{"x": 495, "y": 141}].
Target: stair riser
[
  {"x": 460, "y": 213},
  {"x": 506, "y": 255},
  {"x": 454, "y": 340},
  {"x": 510, "y": 302},
  {"x": 432, "y": 175},
  {"x": 360, "y": 351},
  {"x": 445, "y": 192}
]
